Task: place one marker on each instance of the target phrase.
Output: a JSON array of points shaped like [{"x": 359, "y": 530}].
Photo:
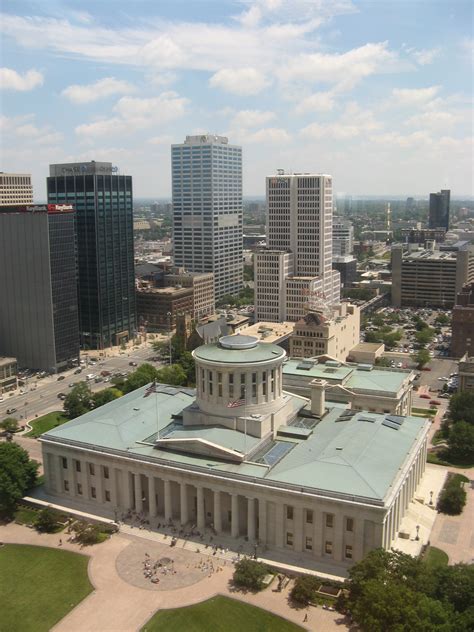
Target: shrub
[
  {"x": 88, "y": 534},
  {"x": 46, "y": 521},
  {"x": 304, "y": 590},
  {"x": 249, "y": 574},
  {"x": 453, "y": 496}
]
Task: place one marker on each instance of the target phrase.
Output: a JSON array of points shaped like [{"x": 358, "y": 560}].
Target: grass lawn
[
  {"x": 219, "y": 614},
  {"x": 25, "y": 515},
  {"x": 39, "y": 586},
  {"x": 435, "y": 557},
  {"x": 47, "y": 422},
  {"x": 429, "y": 412}
]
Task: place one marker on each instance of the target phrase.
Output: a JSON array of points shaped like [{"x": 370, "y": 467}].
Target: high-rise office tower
[
  {"x": 342, "y": 237},
  {"x": 207, "y": 209},
  {"x": 295, "y": 271},
  {"x": 15, "y": 188},
  {"x": 38, "y": 307},
  {"x": 439, "y": 209},
  {"x": 104, "y": 228}
]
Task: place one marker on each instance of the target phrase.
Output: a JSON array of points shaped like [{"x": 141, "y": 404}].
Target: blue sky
[{"x": 379, "y": 94}]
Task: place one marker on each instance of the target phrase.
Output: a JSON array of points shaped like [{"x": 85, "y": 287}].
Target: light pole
[
  {"x": 417, "y": 532},
  {"x": 169, "y": 335}
]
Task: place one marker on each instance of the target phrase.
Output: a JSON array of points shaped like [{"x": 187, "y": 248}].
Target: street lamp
[
  {"x": 417, "y": 532},
  {"x": 169, "y": 334},
  {"x": 431, "y": 498}
]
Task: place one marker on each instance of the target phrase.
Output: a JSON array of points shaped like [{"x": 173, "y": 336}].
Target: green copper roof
[
  {"x": 355, "y": 454},
  {"x": 260, "y": 352}
]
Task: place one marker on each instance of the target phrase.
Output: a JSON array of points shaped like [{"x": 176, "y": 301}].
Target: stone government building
[{"x": 245, "y": 458}]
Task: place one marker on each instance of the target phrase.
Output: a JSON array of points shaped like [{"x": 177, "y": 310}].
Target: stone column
[
  {"x": 217, "y": 512},
  {"x": 183, "y": 500},
  {"x": 168, "y": 509},
  {"x": 127, "y": 491},
  {"x": 138, "y": 493},
  {"x": 201, "y": 519},
  {"x": 235, "y": 516},
  {"x": 297, "y": 528},
  {"x": 152, "y": 496},
  {"x": 279, "y": 524},
  {"x": 358, "y": 546},
  {"x": 99, "y": 484},
  {"x": 262, "y": 520},
  {"x": 251, "y": 519}
]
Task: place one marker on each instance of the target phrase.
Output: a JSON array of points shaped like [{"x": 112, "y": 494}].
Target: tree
[
  {"x": 249, "y": 574},
  {"x": 455, "y": 585},
  {"x": 161, "y": 347},
  {"x": 46, "y": 521},
  {"x": 382, "y": 362},
  {"x": 421, "y": 358},
  {"x": 10, "y": 424},
  {"x": 442, "y": 319},
  {"x": 78, "y": 401},
  {"x": 424, "y": 336},
  {"x": 187, "y": 362},
  {"x": 145, "y": 374},
  {"x": 461, "y": 442},
  {"x": 105, "y": 396},
  {"x": 173, "y": 374},
  {"x": 304, "y": 589},
  {"x": 17, "y": 474},
  {"x": 461, "y": 407}
]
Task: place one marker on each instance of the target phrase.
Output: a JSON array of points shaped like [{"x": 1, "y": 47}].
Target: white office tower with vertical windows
[
  {"x": 207, "y": 209},
  {"x": 294, "y": 274}
]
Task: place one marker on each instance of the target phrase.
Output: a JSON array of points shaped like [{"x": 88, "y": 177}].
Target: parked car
[
  {"x": 132, "y": 363},
  {"x": 10, "y": 411},
  {"x": 434, "y": 402},
  {"x": 60, "y": 378},
  {"x": 61, "y": 396},
  {"x": 424, "y": 396},
  {"x": 77, "y": 371}
]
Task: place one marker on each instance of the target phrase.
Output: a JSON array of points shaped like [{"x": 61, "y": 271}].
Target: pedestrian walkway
[{"x": 118, "y": 606}]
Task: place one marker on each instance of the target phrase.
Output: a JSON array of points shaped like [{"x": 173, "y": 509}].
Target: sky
[{"x": 379, "y": 94}]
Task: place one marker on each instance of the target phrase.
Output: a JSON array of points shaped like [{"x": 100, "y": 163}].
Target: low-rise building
[
  {"x": 466, "y": 373},
  {"x": 157, "y": 308},
  {"x": 428, "y": 277},
  {"x": 241, "y": 457},
  {"x": 202, "y": 285},
  {"x": 362, "y": 386},
  {"x": 8, "y": 374},
  {"x": 333, "y": 333},
  {"x": 366, "y": 352}
]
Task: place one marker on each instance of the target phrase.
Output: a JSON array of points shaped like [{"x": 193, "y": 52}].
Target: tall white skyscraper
[
  {"x": 207, "y": 209},
  {"x": 342, "y": 237},
  {"x": 295, "y": 270},
  {"x": 15, "y": 188}
]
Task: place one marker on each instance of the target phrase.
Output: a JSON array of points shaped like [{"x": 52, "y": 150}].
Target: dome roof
[{"x": 239, "y": 349}]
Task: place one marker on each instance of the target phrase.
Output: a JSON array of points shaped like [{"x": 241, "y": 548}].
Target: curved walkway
[{"x": 118, "y": 606}]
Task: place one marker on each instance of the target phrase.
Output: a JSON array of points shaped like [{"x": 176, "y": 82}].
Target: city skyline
[{"x": 379, "y": 97}]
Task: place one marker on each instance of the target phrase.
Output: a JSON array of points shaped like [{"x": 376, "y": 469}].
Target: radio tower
[{"x": 389, "y": 218}]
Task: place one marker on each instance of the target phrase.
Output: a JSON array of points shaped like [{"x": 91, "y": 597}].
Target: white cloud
[
  {"x": 422, "y": 56},
  {"x": 135, "y": 114},
  {"x": 98, "y": 90},
  {"x": 354, "y": 122},
  {"x": 317, "y": 102},
  {"x": 11, "y": 80},
  {"x": 395, "y": 139},
  {"x": 24, "y": 130},
  {"x": 344, "y": 70},
  {"x": 240, "y": 81},
  {"x": 267, "y": 136},
  {"x": 433, "y": 119},
  {"x": 251, "y": 118},
  {"x": 413, "y": 96},
  {"x": 161, "y": 140}
]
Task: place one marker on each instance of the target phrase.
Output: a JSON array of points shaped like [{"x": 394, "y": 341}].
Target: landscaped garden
[
  {"x": 219, "y": 614},
  {"x": 46, "y": 422},
  {"x": 39, "y": 586}
]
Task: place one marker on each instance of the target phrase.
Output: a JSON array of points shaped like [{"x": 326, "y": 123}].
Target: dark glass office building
[
  {"x": 38, "y": 308},
  {"x": 104, "y": 236},
  {"x": 439, "y": 209}
]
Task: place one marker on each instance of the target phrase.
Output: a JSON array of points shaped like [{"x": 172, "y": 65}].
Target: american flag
[
  {"x": 236, "y": 404},
  {"x": 151, "y": 389}
]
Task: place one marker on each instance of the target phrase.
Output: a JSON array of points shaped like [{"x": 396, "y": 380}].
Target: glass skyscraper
[
  {"x": 103, "y": 202},
  {"x": 207, "y": 209},
  {"x": 439, "y": 209}
]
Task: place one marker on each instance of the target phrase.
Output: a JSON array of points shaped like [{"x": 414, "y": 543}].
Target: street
[{"x": 41, "y": 396}]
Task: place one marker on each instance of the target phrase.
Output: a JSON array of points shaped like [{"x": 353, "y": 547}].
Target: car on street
[
  {"x": 77, "y": 371},
  {"x": 10, "y": 411},
  {"x": 435, "y": 402},
  {"x": 132, "y": 363},
  {"x": 60, "y": 378},
  {"x": 424, "y": 396},
  {"x": 62, "y": 396},
  {"x": 72, "y": 384}
]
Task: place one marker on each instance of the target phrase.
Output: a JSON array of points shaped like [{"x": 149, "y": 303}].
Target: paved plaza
[{"x": 123, "y": 602}]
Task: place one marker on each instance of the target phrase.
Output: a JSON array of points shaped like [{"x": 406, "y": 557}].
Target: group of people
[{"x": 151, "y": 570}]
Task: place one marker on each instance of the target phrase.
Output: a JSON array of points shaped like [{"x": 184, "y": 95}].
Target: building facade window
[
  {"x": 309, "y": 543},
  {"x": 231, "y": 386},
  {"x": 349, "y": 524},
  {"x": 93, "y": 492},
  {"x": 107, "y": 495},
  {"x": 242, "y": 385},
  {"x": 106, "y": 472},
  {"x": 309, "y": 516},
  {"x": 289, "y": 538},
  {"x": 91, "y": 469},
  {"x": 219, "y": 384},
  {"x": 329, "y": 520},
  {"x": 64, "y": 462},
  {"x": 328, "y": 547},
  {"x": 348, "y": 552},
  {"x": 289, "y": 512},
  {"x": 78, "y": 466},
  {"x": 79, "y": 489},
  {"x": 66, "y": 486}
]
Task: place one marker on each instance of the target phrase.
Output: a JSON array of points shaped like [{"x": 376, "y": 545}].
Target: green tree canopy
[
  {"x": 249, "y": 574},
  {"x": 78, "y": 401},
  {"x": 173, "y": 374},
  {"x": 17, "y": 474},
  {"x": 105, "y": 396},
  {"x": 145, "y": 374},
  {"x": 10, "y": 424},
  {"x": 461, "y": 407},
  {"x": 421, "y": 357},
  {"x": 461, "y": 442},
  {"x": 424, "y": 336}
]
